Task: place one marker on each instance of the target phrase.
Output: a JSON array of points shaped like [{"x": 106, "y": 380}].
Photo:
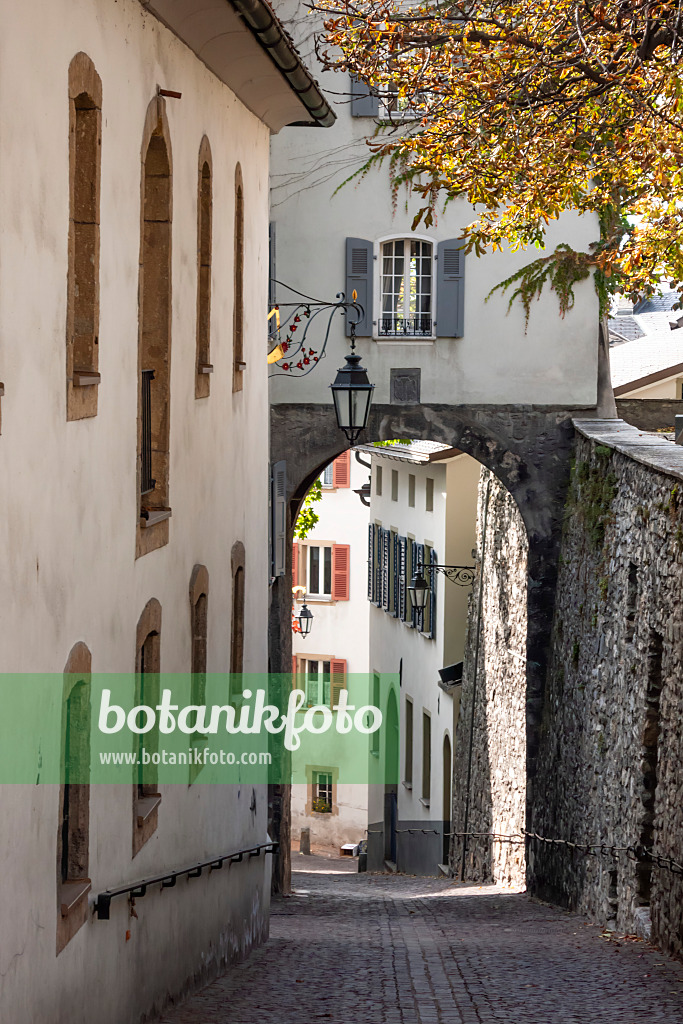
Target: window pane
[
  {"x": 392, "y": 278},
  {"x": 312, "y": 683},
  {"x": 327, "y": 478},
  {"x": 314, "y": 575},
  {"x": 327, "y": 588}
]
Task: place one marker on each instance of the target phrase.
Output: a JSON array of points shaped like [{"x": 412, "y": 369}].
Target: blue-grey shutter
[
  {"x": 359, "y": 274},
  {"x": 432, "y": 597},
  {"x": 279, "y": 517},
  {"x": 402, "y": 578},
  {"x": 385, "y": 568},
  {"x": 378, "y": 566},
  {"x": 371, "y": 566},
  {"x": 418, "y": 559},
  {"x": 272, "y": 273},
  {"x": 450, "y": 289},
  {"x": 364, "y": 102},
  {"x": 397, "y": 565}
]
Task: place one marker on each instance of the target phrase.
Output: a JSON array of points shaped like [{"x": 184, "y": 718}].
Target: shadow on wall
[{"x": 489, "y": 778}]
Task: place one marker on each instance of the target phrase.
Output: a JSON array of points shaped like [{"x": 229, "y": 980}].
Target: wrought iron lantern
[
  {"x": 305, "y": 619},
  {"x": 419, "y": 589},
  {"x": 352, "y": 394}
]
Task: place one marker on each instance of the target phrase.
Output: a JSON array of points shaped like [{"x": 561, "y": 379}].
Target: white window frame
[
  {"x": 323, "y": 686},
  {"x": 327, "y": 477},
  {"x": 312, "y": 594},
  {"x": 422, "y": 339}
]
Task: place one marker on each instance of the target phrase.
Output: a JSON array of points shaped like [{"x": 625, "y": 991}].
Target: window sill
[
  {"x": 151, "y": 516},
  {"x": 375, "y": 753},
  {"x": 72, "y": 893},
  {"x": 205, "y": 368},
  {"x": 145, "y": 808},
  {"x": 383, "y": 339},
  {"x": 85, "y": 378},
  {"x": 407, "y": 785},
  {"x": 425, "y": 803},
  {"x": 316, "y": 599}
]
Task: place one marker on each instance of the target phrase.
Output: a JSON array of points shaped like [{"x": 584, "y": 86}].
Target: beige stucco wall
[{"x": 68, "y": 502}]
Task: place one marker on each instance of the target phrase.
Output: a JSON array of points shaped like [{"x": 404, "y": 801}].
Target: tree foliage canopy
[{"x": 528, "y": 109}]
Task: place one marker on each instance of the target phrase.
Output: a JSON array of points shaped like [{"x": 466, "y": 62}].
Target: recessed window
[
  {"x": 394, "y": 485},
  {"x": 319, "y": 570},
  {"x": 411, "y": 490},
  {"x": 73, "y": 836},
  {"x": 204, "y": 367},
  {"x": 327, "y": 477},
  {"x": 83, "y": 278},
  {"x": 426, "y": 757},
  {"x": 146, "y": 798},
  {"x": 317, "y": 676},
  {"x": 408, "y": 762},
  {"x": 429, "y": 497},
  {"x": 239, "y": 364},
  {"x": 237, "y": 565},
  {"x": 378, "y": 481},
  {"x": 322, "y": 793},
  {"x": 406, "y": 289},
  {"x": 154, "y": 338},
  {"x": 199, "y": 606}
]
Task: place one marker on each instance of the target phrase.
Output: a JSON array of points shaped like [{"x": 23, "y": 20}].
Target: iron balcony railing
[
  {"x": 147, "y": 482},
  {"x": 402, "y": 326}
]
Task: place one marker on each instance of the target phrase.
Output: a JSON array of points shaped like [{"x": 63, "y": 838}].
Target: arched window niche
[
  {"x": 154, "y": 339},
  {"x": 83, "y": 277},
  {"x": 204, "y": 367}
]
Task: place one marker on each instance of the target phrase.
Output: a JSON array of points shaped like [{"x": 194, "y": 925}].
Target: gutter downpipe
[
  {"x": 480, "y": 598},
  {"x": 270, "y": 34}
]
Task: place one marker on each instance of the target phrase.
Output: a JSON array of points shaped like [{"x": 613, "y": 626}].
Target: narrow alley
[{"x": 389, "y": 949}]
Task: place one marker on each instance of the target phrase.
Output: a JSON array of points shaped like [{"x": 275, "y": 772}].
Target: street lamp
[
  {"x": 418, "y": 588},
  {"x": 352, "y": 394},
  {"x": 305, "y": 620}
]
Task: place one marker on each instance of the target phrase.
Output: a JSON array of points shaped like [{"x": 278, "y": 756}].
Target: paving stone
[{"x": 393, "y": 949}]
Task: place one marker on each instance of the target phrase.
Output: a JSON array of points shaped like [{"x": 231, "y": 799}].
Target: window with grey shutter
[
  {"x": 359, "y": 272},
  {"x": 402, "y": 578},
  {"x": 364, "y": 102},
  {"x": 385, "y": 569},
  {"x": 279, "y": 517},
  {"x": 418, "y": 559},
  {"x": 432, "y": 597},
  {"x": 450, "y": 289},
  {"x": 271, "y": 266},
  {"x": 371, "y": 562},
  {"x": 378, "y": 566}
]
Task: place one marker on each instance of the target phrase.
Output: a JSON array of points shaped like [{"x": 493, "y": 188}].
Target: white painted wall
[
  {"x": 68, "y": 504},
  {"x": 450, "y": 529},
  {"x": 340, "y": 630},
  {"x": 499, "y": 359}
]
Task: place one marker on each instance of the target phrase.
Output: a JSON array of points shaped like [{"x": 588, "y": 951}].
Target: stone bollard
[{"x": 305, "y": 841}]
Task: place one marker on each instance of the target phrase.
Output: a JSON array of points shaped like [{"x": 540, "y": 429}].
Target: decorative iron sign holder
[{"x": 294, "y": 355}]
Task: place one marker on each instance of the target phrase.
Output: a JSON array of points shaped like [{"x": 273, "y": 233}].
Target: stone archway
[{"x": 527, "y": 447}]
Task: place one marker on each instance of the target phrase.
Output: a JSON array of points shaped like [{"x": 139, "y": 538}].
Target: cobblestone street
[{"x": 393, "y": 949}]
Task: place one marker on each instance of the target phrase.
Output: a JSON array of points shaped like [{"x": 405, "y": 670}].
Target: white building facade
[
  {"x": 134, "y": 455},
  {"x": 423, "y": 513},
  {"x": 329, "y": 572}
]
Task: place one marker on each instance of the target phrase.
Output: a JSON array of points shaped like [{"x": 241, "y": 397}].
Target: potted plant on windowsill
[{"x": 320, "y": 806}]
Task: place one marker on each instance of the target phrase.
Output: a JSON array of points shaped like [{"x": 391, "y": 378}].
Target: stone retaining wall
[{"x": 611, "y": 737}]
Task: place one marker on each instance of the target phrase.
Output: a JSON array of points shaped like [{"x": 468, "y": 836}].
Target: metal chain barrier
[{"x": 635, "y": 853}]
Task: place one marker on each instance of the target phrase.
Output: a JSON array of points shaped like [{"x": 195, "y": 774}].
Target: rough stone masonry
[{"x": 609, "y": 768}]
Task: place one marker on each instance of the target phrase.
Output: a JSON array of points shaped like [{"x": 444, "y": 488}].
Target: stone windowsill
[
  {"x": 146, "y": 806},
  {"x": 154, "y": 516},
  {"x": 71, "y": 894},
  {"x": 85, "y": 378},
  {"x": 425, "y": 803}
]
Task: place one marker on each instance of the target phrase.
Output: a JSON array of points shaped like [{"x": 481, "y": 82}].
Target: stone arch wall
[{"x": 527, "y": 447}]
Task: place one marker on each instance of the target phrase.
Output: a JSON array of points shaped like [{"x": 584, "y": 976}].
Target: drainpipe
[{"x": 474, "y": 680}]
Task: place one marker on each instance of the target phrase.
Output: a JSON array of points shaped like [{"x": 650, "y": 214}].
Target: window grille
[{"x": 147, "y": 481}]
